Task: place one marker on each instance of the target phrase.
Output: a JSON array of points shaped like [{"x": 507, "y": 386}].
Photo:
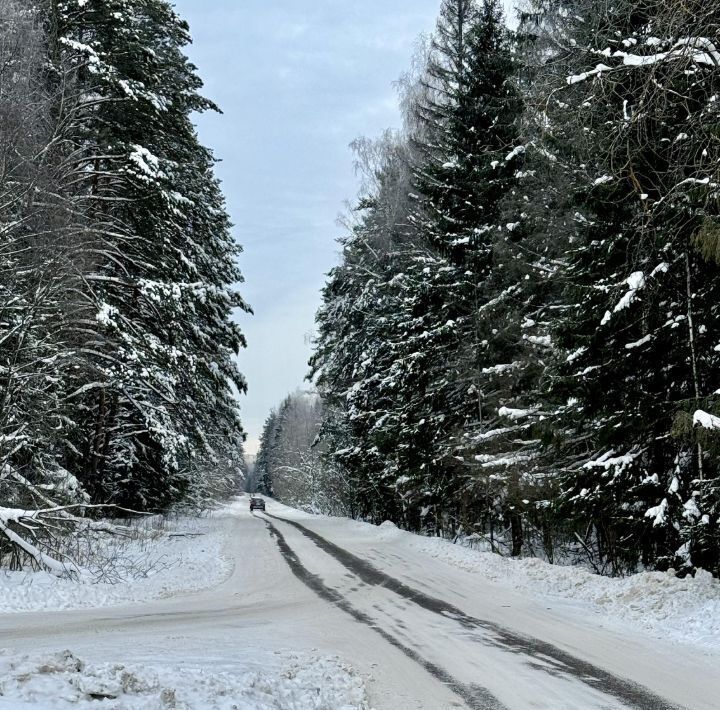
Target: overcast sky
[{"x": 297, "y": 81}]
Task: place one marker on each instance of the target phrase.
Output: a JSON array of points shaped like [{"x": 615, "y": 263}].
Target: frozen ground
[{"x": 289, "y": 610}]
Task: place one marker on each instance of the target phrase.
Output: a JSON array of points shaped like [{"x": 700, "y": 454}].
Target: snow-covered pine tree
[
  {"x": 403, "y": 317},
  {"x": 152, "y": 388},
  {"x": 465, "y": 119},
  {"x": 40, "y": 254},
  {"x": 639, "y": 104},
  {"x": 263, "y": 462},
  {"x": 469, "y": 168},
  {"x": 355, "y": 364},
  {"x": 35, "y": 261}
]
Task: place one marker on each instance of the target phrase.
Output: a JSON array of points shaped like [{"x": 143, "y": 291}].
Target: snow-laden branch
[
  {"x": 698, "y": 50},
  {"x": 43, "y": 560},
  {"x": 706, "y": 420},
  {"x": 51, "y": 521}
]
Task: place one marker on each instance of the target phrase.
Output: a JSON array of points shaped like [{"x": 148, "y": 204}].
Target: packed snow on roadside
[
  {"x": 685, "y": 610},
  {"x": 185, "y": 556},
  {"x": 62, "y": 680}
]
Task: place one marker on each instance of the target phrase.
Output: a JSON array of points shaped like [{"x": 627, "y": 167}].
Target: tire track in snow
[
  {"x": 551, "y": 658},
  {"x": 476, "y": 697}
]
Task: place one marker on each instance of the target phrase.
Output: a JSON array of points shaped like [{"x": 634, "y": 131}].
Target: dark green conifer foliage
[
  {"x": 155, "y": 386},
  {"x": 640, "y": 347},
  {"x": 528, "y": 343},
  {"x": 412, "y": 344},
  {"x": 469, "y": 125},
  {"x": 468, "y": 171}
]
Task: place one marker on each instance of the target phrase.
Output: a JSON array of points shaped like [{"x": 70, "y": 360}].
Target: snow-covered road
[{"x": 422, "y": 633}]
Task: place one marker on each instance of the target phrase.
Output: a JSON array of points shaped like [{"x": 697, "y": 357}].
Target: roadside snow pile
[
  {"x": 62, "y": 680},
  {"x": 187, "y": 557},
  {"x": 685, "y": 610},
  {"x": 387, "y": 530}
]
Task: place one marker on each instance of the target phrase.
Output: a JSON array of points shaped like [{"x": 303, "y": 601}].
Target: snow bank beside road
[
  {"x": 186, "y": 558},
  {"x": 686, "y": 610},
  {"x": 62, "y": 680}
]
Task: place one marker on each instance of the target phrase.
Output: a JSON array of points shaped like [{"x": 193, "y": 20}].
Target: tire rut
[
  {"x": 476, "y": 697},
  {"x": 551, "y": 659}
]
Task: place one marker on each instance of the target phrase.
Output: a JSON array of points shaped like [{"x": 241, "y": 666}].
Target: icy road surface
[{"x": 421, "y": 633}]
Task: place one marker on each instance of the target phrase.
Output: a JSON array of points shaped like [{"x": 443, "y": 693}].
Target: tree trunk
[
  {"x": 693, "y": 355},
  {"x": 516, "y": 532},
  {"x": 548, "y": 541}
]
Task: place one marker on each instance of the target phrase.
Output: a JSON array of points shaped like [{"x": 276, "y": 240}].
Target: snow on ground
[
  {"x": 262, "y": 640},
  {"x": 186, "y": 556},
  {"x": 685, "y": 610},
  {"x": 660, "y": 604},
  {"x": 62, "y": 680},
  {"x": 137, "y": 667}
]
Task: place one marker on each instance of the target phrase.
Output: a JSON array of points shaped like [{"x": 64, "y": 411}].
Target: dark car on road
[{"x": 257, "y": 504}]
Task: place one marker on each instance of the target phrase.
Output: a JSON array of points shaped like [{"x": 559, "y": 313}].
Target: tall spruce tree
[
  {"x": 471, "y": 165},
  {"x": 117, "y": 272},
  {"x": 640, "y": 348},
  {"x": 411, "y": 385},
  {"x": 152, "y": 388}
]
